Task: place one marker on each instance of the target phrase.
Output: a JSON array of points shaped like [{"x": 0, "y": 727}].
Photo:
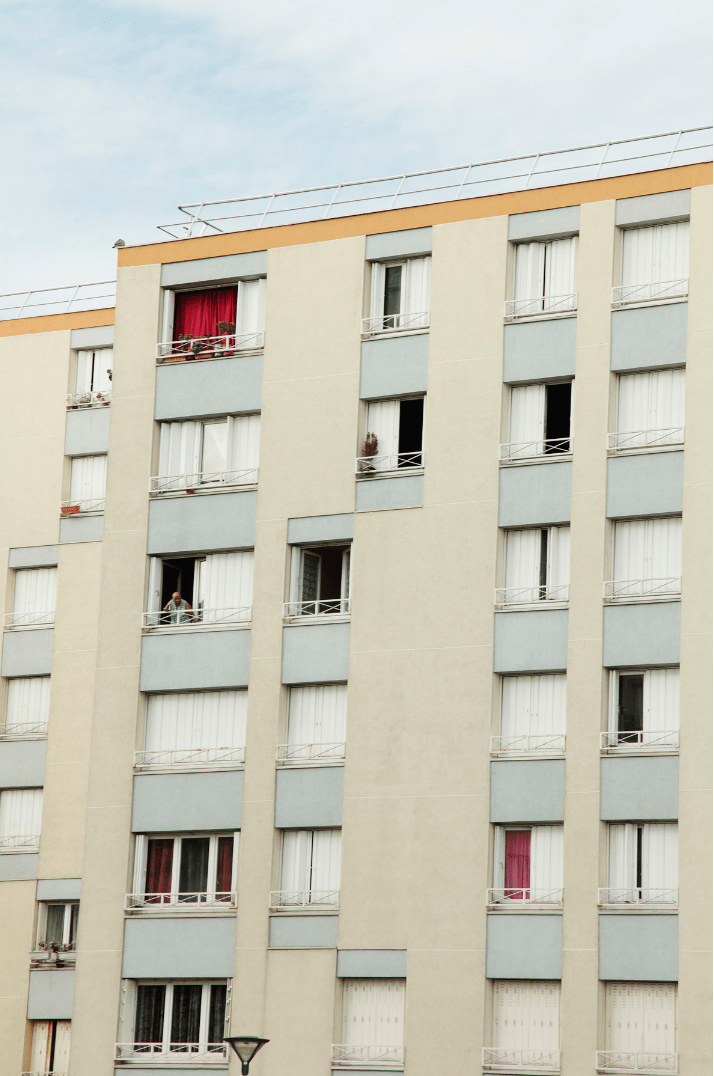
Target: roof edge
[{"x": 50, "y": 323}]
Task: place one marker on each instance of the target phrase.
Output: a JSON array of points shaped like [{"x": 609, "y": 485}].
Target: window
[
  {"x": 655, "y": 264},
  {"x": 57, "y": 927},
  {"x": 393, "y": 436},
  {"x": 93, "y": 379},
  {"x": 640, "y": 1028},
  {"x": 372, "y": 1022},
  {"x": 525, "y": 1026},
  {"x": 539, "y": 421},
  {"x": 49, "y": 1051},
  {"x": 644, "y": 710},
  {"x": 544, "y": 278},
  {"x": 199, "y": 728},
  {"x": 207, "y": 455},
  {"x": 532, "y": 715},
  {"x": 319, "y": 581},
  {"x": 647, "y": 558},
  {"x": 213, "y": 323},
  {"x": 181, "y": 1020},
  {"x": 650, "y": 410},
  {"x": 309, "y": 869},
  {"x": 20, "y": 817},
  {"x": 193, "y": 872},
  {"x": 642, "y": 864},
  {"x": 34, "y": 598},
  {"x": 213, "y": 589},
  {"x": 316, "y": 724},
  {"x": 27, "y": 708},
  {"x": 537, "y": 566},
  {"x": 87, "y": 485},
  {"x": 400, "y": 296},
  {"x": 528, "y": 865}
]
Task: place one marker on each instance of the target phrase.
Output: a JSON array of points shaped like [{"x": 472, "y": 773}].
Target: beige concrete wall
[{"x": 17, "y": 925}]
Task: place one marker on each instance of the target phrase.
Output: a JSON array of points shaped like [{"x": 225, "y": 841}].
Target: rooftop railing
[
  {"x": 73, "y": 297},
  {"x": 645, "y": 1064}
]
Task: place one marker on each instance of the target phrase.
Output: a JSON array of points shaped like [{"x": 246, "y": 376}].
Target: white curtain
[
  {"x": 28, "y": 700},
  {"x": 20, "y": 812},
  {"x": 383, "y": 421},
  {"x": 660, "y": 703},
  {"x": 529, "y": 272},
  {"x": 660, "y": 852},
  {"x": 250, "y": 312},
  {"x": 641, "y": 1017},
  {"x": 310, "y": 860},
  {"x": 373, "y": 1012},
  {"x": 558, "y": 564},
  {"x": 317, "y": 714},
  {"x": 527, "y": 419},
  {"x": 225, "y": 584},
  {"x": 376, "y": 301},
  {"x": 522, "y": 568},
  {"x": 88, "y": 482},
  {"x": 526, "y": 1014},
  {"x": 533, "y": 705},
  {"x": 199, "y": 719},
  {"x": 545, "y": 271},
  {"x": 649, "y": 549},
  {"x": 417, "y": 291},
  {"x": 93, "y": 369},
  {"x": 547, "y": 857},
  {"x": 622, "y": 856},
  {"x": 35, "y": 590},
  {"x": 560, "y": 270},
  {"x": 655, "y": 255},
  {"x": 648, "y": 402},
  {"x": 243, "y": 446},
  {"x": 179, "y": 453}
]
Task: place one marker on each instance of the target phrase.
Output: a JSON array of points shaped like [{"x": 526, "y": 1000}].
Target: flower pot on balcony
[
  {"x": 70, "y": 509},
  {"x": 175, "y": 358}
]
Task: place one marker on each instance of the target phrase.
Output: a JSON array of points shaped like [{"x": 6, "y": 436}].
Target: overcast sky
[{"x": 115, "y": 111}]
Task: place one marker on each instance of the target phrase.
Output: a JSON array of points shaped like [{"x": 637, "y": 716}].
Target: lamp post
[{"x": 246, "y": 1047}]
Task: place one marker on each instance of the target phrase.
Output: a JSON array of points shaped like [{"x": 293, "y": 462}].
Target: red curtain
[
  {"x": 198, "y": 312},
  {"x": 224, "y": 867},
  {"x": 518, "y": 862},
  {"x": 159, "y": 861}
]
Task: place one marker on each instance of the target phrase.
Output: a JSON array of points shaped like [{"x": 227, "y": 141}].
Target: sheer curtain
[
  {"x": 159, "y": 863},
  {"x": 518, "y": 862},
  {"x": 149, "y": 1025}
]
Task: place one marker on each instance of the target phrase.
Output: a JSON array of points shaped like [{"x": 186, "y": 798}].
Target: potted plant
[
  {"x": 227, "y": 329},
  {"x": 69, "y": 509},
  {"x": 369, "y": 449}
]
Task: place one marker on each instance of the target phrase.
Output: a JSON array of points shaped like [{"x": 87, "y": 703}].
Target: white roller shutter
[
  {"x": 526, "y": 1015},
  {"x": 20, "y": 812},
  {"x": 226, "y": 586},
  {"x": 417, "y": 292},
  {"x": 527, "y": 420},
  {"x": 529, "y": 272},
  {"x": 35, "y": 591},
  {"x": 383, "y": 421},
  {"x": 179, "y": 453},
  {"x": 650, "y": 549},
  {"x": 522, "y": 563},
  {"x": 560, "y": 263},
  {"x": 63, "y": 1034},
  {"x": 373, "y": 1012},
  {"x": 317, "y": 714},
  {"x": 641, "y": 1017},
  {"x": 201, "y": 719},
  {"x": 533, "y": 705},
  {"x": 88, "y": 482},
  {"x": 660, "y": 702},
  {"x": 243, "y": 447},
  {"x": 41, "y": 1047},
  {"x": 660, "y": 864},
  {"x": 649, "y": 405},
  {"x": 546, "y": 858},
  {"x": 28, "y": 700},
  {"x": 558, "y": 565},
  {"x": 250, "y": 310},
  {"x": 655, "y": 255},
  {"x": 622, "y": 856}
]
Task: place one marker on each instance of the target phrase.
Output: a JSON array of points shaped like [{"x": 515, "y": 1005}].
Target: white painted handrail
[
  {"x": 528, "y": 744},
  {"x": 523, "y": 450},
  {"x": 29, "y": 620},
  {"x": 391, "y": 323},
  {"x": 643, "y": 588},
  {"x": 526, "y": 896},
  {"x": 505, "y": 1059},
  {"x": 372, "y": 1055},
  {"x": 310, "y": 752},
  {"x": 643, "y": 293},
  {"x": 24, "y": 730},
  {"x": 305, "y": 898},
  {"x": 552, "y": 592},
  {"x": 189, "y": 483},
  {"x": 625, "y": 1061},
  {"x": 78, "y": 400},
  {"x": 403, "y": 462},
  {"x": 209, "y": 347},
  {"x": 20, "y": 843},
  {"x": 638, "y": 896},
  {"x": 644, "y": 739},
  {"x": 189, "y": 756},
  {"x": 320, "y": 607},
  {"x": 92, "y": 504},
  {"x": 159, "y": 901},
  {"x": 541, "y": 304},
  {"x": 623, "y": 439},
  {"x": 196, "y": 618},
  {"x": 177, "y": 1052}
]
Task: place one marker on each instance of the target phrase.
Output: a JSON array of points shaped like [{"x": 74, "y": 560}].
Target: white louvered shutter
[
  {"x": 296, "y": 860},
  {"x": 526, "y": 1015},
  {"x": 317, "y": 715},
  {"x": 41, "y": 1047},
  {"x": 373, "y": 1012},
  {"x": 529, "y": 273},
  {"x": 88, "y": 482},
  {"x": 250, "y": 310},
  {"x": 654, "y": 256},
  {"x": 417, "y": 292},
  {"x": 35, "y": 592},
  {"x": 28, "y": 700},
  {"x": 558, "y": 564},
  {"x": 201, "y": 719},
  {"x": 650, "y": 549},
  {"x": 659, "y": 1018},
  {"x": 533, "y": 705},
  {"x": 20, "y": 812},
  {"x": 226, "y": 587},
  {"x": 383, "y": 421},
  {"x": 622, "y": 856},
  {"x": 660, "y": 700},
  {"x": 179, "y": 454},
  {"x": 641, "y": 1018},
  {"x": 243, "y": 448},
  {"x": 660, "y": 852},
  {"x": 63, "y": 1034},
  {"x": 522, "y": 564},
  {"x": 560, "y": 272},
  {"x": 546, "y": 857},
  {"x": 650, "y": 407},
  {"x": 527, "y": 420}
]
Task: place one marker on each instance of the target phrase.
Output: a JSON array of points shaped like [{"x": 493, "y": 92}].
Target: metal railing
[
  {"x": 498, "y": 176},
  {"x": 644, "y": 293},
  {"x": 318, "y": 607},
  {"x": 369, "y": 466},
  {"x": 639, "y": 1062},
  {"x": 637, "y": 895},
  {"x": 159, "y": 901},
  {"x": 29, "y": 620},
  {"x": 391, "y": 323},
  {"x": 73, "y": 508},
  {"x": 623, "y": 439},
  {"x": 20, "y": 843},
  {"x": 542, "y": 304},
  {"x": 528, "y": 744},
  {"x": 305, "y": 898},
  {"x": 189, "y": 756},
  {"x": 194, "y": 618},
  {"x": 79, "y": 400},
  {"x": 646, "y": 739},
  {"x": 24, "y": 730},
  {"x": 310, "y": 752},
  {"x": 189, "y": 483},
  {"x": 527, "y": 896},
  {"x": 208, "y": 347},
  {"x": 552, "y": 592},
  {"x": 642, "y": 588},
  {"x": 344, "y": 1053},
  {"x": 524, "y": 450},
  {"x": 67, "y": 297},
  {"x": 505, "y": 1059},
  {"x": 174, "y": 1051}
]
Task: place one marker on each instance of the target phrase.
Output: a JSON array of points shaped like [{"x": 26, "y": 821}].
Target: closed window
[
  {"x": 181, "y": 1020},
  {"x": 372, "y": 1021},
  {"x": 544, "y": 278},
  {"x": 49, "y": 1049},
  {"x": 188, "y": 591},
  {"x": 400, "y": 296},
  {"x": 319, "y": 580},
  {"x": 539, "y": 421},
  {"x": 650, "y": 410},
  {"x": 194, "y": 728},
  {"x": 642, "y": 864},
  {"x": 528, "y": 865},
  {"x": 394, "y": 433},
  {"x": 525, "y": 1024},
  {"x": 87, "y": 485},
  {"x": 309, "y": 868},
  {"x": 647, "y": 558},
  {"x": 34, "y": 598},
  {"x": 27, "y": 708},
  {"x": 93, "y": 379},
  {"x": 210, "y": 454},
  {"x": 214, "y": 322},
  {"x": 20, "y": 818},
  {"x": 640, "y": 1027},
  {"x": 536, "y": 566},
  {"x": 57, "y": 925},
  {"x": 655, "y": 263},
  {"x": 532, "y": 714},
  {"x": 316, "y": 724},
  {"x": 644, "y": 709},
  {"x": 190, "y": 871}
]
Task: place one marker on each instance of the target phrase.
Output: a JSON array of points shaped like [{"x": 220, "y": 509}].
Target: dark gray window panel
[
  {"x": 309, "y": 798},
  {"x": 303, "y": 932},
  {"x": 18, "y": 868},
  {"x": 646, "y": 634},
  {"x": 87, "y": 432},
  {"x": 386, "y": 494},
  {"x": 195, "y": 661},
  {"x": 646, "y": 485},
  {"x": 307, "y": 529},
  {"x": 75, "y": 529},
  {"x": 22, "y": 763},
  {"x": 524, "y": 946},
  {"x": 639, "y": 948},
  {"x": 528, "y": 790},
  {"x": 639, "y": 789},
  {"x": 532, "y": 641},
  {"x": 539, "y": 350},
  {"x": 34, "y": 556},
  {"x": 214, "y": 270},
  {"x": 396, "y": 366},
  {"x": 51, "y": 995},
  {"x": 371, "y": 963},
  {"x": 210, "y": 387},
  {"x": 534, "y": 496},
  {"x": 652, "y": 208},
  {"x": 205, "y": 523},
  {"x": 649, "y": 336},
  {"x": 544, "y": 223},
  {"x": 59, "y": 888},
  {"x": 315, "y": 653},
  {"x": 189, "y": 948},
  {"x": 96, "y": 336},
  {"x": 404, "y": 244},
  {"x": 27, "y": 653},
  {"x": 182, "y": 802}
]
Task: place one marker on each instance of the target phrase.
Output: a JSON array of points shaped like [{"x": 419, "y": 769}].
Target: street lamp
[{"x": 246, "y": 1046}]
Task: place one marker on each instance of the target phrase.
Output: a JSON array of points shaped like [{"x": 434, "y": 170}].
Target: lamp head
[{"x": 246, "y": 1047}]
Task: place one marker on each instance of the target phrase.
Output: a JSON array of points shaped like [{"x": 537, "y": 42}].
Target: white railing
[
  {"x": 319, "y": 607},
  {"x": 672, "y": 435},
  {"x": 24, "y": 730},
  {"x": 398, "y": 461},
  {"x": 73, "y": 508},
  {"x": 208, "y": 347},
  {"x": 305, "y": 898},
  {"x": 309, "y": 752},
  {"x": 189, "y": 483},
  {"x": 551, "y": 592},
  {"x": 176, "y": 1052},
  {"x": 505, "y": 1059},
  {"x": 643, "y": 293},
  {"x": 77, "y": 400},
  {"x": 525, "y": 450},
  {"x": 553, "y": 742},
  {"x": 159, "y": 901},
  {"x": 345, "y": 1054},
  {"x": 67, "y": 297},
  {"x": 649, "y": 739},
  {"x": 637, "y": 895},
  {"x": 29, "y": 620},
  {"x": 390, "y": 323},
  {"x": 542, "y": 304},
  {"x": 20, "y": 843},
  {"x": 642, "y": 588},
  {"x": 645, "y": 1063},
  {"x": 540, "y": 169},
  {"x": 194, "y": 618},
  {"x": 189, "y": 756},
  {"x": 527, "y": 896}
]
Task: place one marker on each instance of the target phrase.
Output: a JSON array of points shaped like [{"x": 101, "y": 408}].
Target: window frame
[
  {"x": 41, "y": 943},
  {"x": 211, "y": 903},
  {"x": 130, "y": 1012}
]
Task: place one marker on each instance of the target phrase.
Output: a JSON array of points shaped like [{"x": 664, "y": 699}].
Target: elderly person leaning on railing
[{"x": 180, "y": 610}]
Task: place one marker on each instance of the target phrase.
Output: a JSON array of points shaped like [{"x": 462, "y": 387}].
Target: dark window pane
[
  {"x": 224, "y": 866},
  {"x": 217, "y": 1015},
  {"x": 392, "y": 289},
  {"x": 543, "y": 573},
  {"x": 74, "y": 923},
  {"x": 629, "y": 708},
  {"x": 149, "y": 1024},
  {"x": 159, "y": 861},
  {"x": 55, "y": 924},
  {"x": 193, "y": 876},
  {"x": 310, "y": 577},
  {"x": 411, "y": 425},
  {"x": 186, "y": 1013},
  {"x": 557, "y": 416}
]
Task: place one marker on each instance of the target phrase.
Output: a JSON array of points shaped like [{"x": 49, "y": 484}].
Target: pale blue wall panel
[
  {"x": 315, "y": 653},
  {"x": 371, "y": 963},
  {"x": 182, "y": 802},
  {"x": 528, "y": 790},
  {"x": 87, "y": 432},
  {"x": 305, "y": 529},
  {"x": 202, "y": 523},
  {"x": 18, "y": 867},
  {"x": 214, "y": 270},
  {"x": 183, "y": 948},
  {"x": 649, "y": 336},
  {"x": 394, "y": 366},
  {"x": 51, "y": 995},
  {"x": 27, "y": 653},
  {"x": 403, "y": 244},
  {"x": 303, "y": 932},
  {"x": 647, "y": 485},
  {"x": 539, "y": 350},
  {"x": 534, "y": 496},
  {"x": 208, "y": 387},
  {"x": 645, "y": 634},
  {"x": 639, "y": 948},
  {"x": 75, "y": 529},
  {"x": 195, "y": 661},
  {"x": 309, "y": 798},
  {"x": 639, "y": 789},
  {"x": 22, "y": 763},
  {"x": 544, "y": 223},
  {"x": 385, "y": 494},
  {"x": 531, "y": 641},
  {"x": 524, "y": 946}
]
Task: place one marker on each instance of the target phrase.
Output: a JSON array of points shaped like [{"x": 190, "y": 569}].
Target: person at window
[{"x": 180, "y": 610}]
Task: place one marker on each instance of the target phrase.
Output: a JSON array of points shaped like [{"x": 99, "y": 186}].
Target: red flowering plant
[{"x": 369, "y": 449}]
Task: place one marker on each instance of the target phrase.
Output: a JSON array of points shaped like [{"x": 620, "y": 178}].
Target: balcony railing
[
  {"x": 550, "y": 743},
  {"x": 79, "y": 400},
  {"x": 305, "y": 898},
  {"x": 526, "y": 450},
  {"x": 196, "y": 618},
  {"x": 390, "y": 323},
  {"x": 505, "y": 1059},
  {"x": 346, "y": 1054},
  {"x": 189, "y": 756},
  {"x": 319, "y": 607},
  {"x": 552, "y": 592},
  {"x": 647, "y": 1064},
  {"x": 189, "y": 483},
  {"x": 644, "y": 293},
  {"x": 642, "y": 588},
  {"x": 24, "y": 730},
  {"x": 525, "y": 897},
  {"x": 638, "y": 896},
  {"x": 542, "y": 304},
  {"x": 646, "y": 740},
  {"x": 20, "y": 843},
  {"x": 169, "y": 901},
  {"x": 369, "y": 466},
  {"x": 175, "y": 1052},
  {"x": 29, "y": 620},
  {"x": 93, "y": 504},
  {"x": 310, "y": 752},
  {"x": 620, "y": 441},
  {"x": 208, "y": 347}
]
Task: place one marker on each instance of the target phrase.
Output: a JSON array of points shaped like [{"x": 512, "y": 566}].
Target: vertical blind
[
  {"x": 196, "y": 719},
  {"x": 533, "y": 705},
  {"x": 373, "y": 1012},
  {"x": 526, "y": 1014},
  {"x": 317, "y": 714},
  {"x": 545, "y": 271},
  {"x": 310, "y": 859},
  {"x": 35, "y": 590},
  {"x": 93, "y": 370},
  {"x": 88, "y": 482},
  {"x": 647, "y": 549},
  {"x": 225, "y": 583},
  {"x": 655, "y": 255},
  {"x": 20, "y": 812},
  {"x": 28, "y": 700},
  {"x": 649, "y": 402},
  {"x": 659, "y": 863},
  {"x": 641, "y": 1017}
]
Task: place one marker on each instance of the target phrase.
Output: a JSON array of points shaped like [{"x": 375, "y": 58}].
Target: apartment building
[{"x": 355, "y": 663}]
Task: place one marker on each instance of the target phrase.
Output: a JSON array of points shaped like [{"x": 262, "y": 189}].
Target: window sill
[
  {"x": 547, "y": 315},
  {"x": 396, "y": 472},
  {"x": 318, "y": 618},
  {"x": 529, "y": 461},
  {"x": 198, "y": 767},
  {"x": 228, "y": 911},
  {"x": 172, "y": 360},
  {"x": 646, "y": 451},
  {"x": 28, "y": 627},
  {"x": 528, "y": 606},
  {"x": 80, "y": 515},
  {"x": 675, "y": 300},
  {"x": 307, "y": 764},
  {"x": 637, "y": 909},
  {"x": 527, "y": 754},
  {"x": 636, "y": 752},
  {"x": 167, "y": 494},
  {"x": 307, "y": 909},
  {"x": 388, "y": 333},
  {"x": 631, "y": 600},
  {"x": 182, "y": 629}
]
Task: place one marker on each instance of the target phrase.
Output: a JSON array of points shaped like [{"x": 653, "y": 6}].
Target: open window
[
  {"x": 213, "y": 323},
  {"x": 34, "y": 598},
  {"x": 177, "y": 1021},
  {"x": 528, "y": 865},
  {"x": 394, "y": 436},
  {"x": 532, "y": 718},
  {"x": 309, "y": 869},
  {"x": 185, "y": 592},
  {"x": 372, "y": 1023},
  {"x": 642, "y": 864},
  {"x": 525, "y": 1031},
  {"x": 400, "y": 296},
  {"x": 544, "y": 278},
  {"x": 194, "y": 729},
  {"x": 92, "y": 379},
  {"x": 207, "y": 455},
  {"x": 536, "y": 566},
  {"x": 640, "y": 1028},
  {"x": 539, "y": 421},
  {"x": 650, "y": 410},
  {"x": 316, "y": 725},
  {"x": 644, "y": 710},
  {"x": 27, "y": 708},
  {"x": 654, "y": 264},
  {"x": 319, "y": 581},
  {"x": 57, "y": 924},
  {"x": 87, "y": 485},
  {"x": 190, "y": 872},
  {"x": 647, "y": 559},
  {"x": 49, "y": 1049}
]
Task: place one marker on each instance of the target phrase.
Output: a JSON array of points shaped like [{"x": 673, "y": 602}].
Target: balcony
[
  {"x": 314, "y": 754},
  {"x": 20, "y": 843},
  {"x": 646, "y": 1064},
  {"x": 82, "y": 507},
  {"x": 79, "y": 401},
  {"x": 634, "y": 589},
  {"x": 637, "y": 898},
  {"x": 177, "y": 1053},
  {"x": 552, "y": 592},
  {"x": 203, "y": 482},
  {"x": 395, "y": 323},
  {"x": 544, "y": 744},
  {"x": 24, "y": 730},
  {"x": 47, "y": 957},
  {"x": 643, "y": 742},
  {"x": 625, "y": 441},
  {"x": 328, "y": 607},
  {"x": 181, "y": 758},
  {"x": 29, "y": 620},
  {"x": 507, "y": 1060},
  {"x": 156, "y": 903},
  {"x": 398, "y": 463},
  {"x": 209, "y": 347},
  {"x": 524, "y": 898},
  {"x": 542, "y": 306},
  {"x": 629, "y": 294},
  {"x": 304, "y": 900},
  {"x": 197, "y": 619},
  {"x": 552, "y": 448},
  {"x": 379, "y": 1056}
]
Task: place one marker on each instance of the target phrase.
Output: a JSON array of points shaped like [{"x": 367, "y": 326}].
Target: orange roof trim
[{"x": 52, "y": 323}]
